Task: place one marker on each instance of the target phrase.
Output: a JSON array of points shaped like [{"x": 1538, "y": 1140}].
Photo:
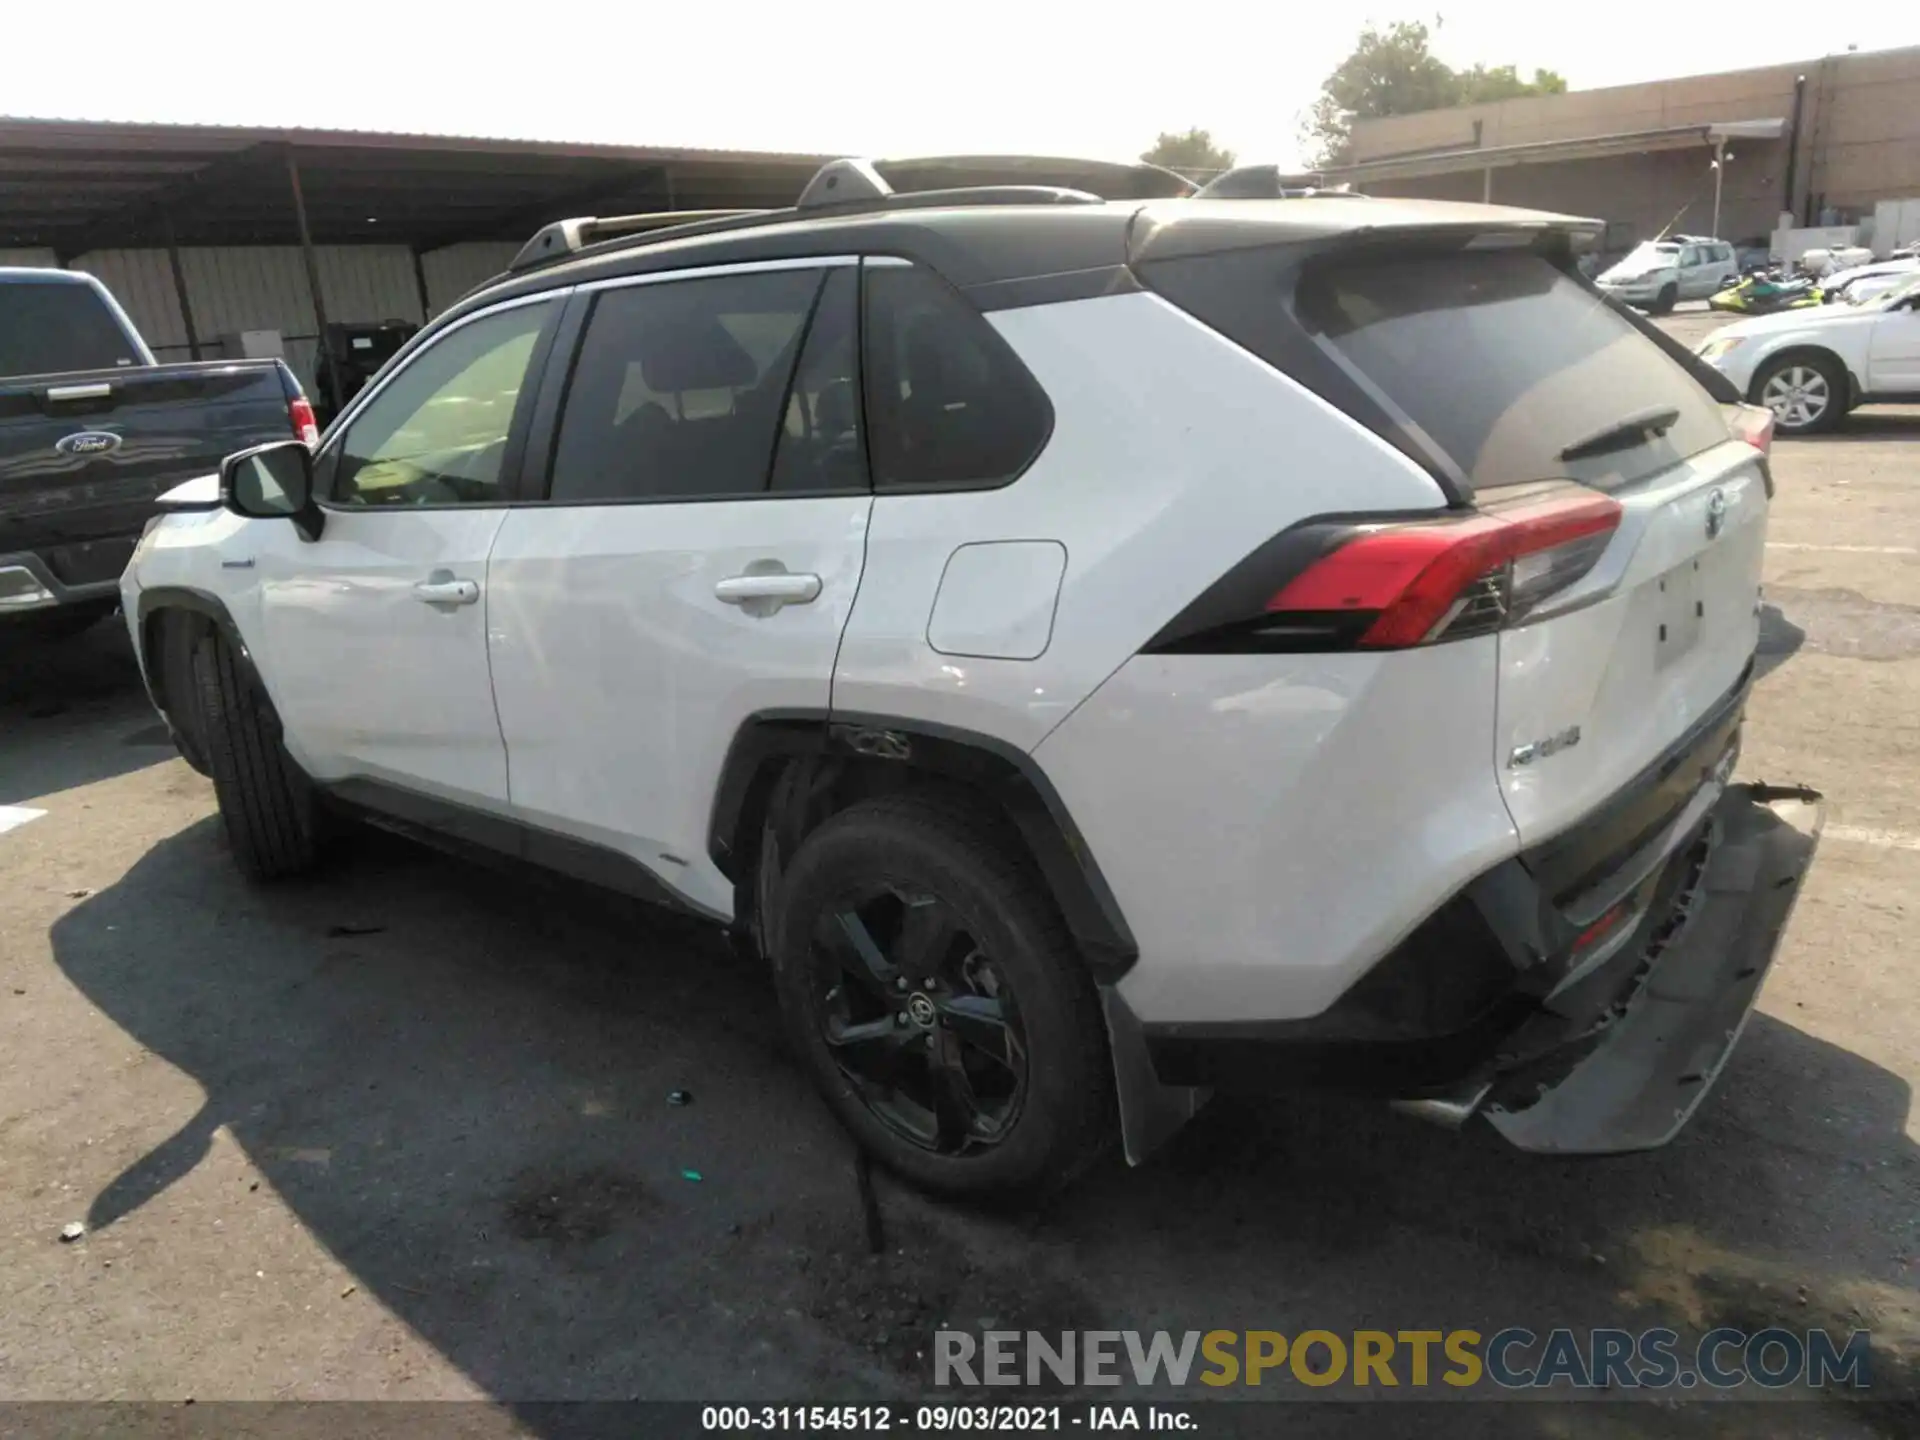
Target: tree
[
  {"x": 1193, "y": 154},
  {"x": 1395, "y": 72}
]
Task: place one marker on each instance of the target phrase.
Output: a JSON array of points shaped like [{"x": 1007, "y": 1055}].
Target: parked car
[
  {"x": 1659, "y": 274},
  {"x": 1089, "y": 650},
  {"x": 92, "y": 430},
  {"x": 1810, "y": 367},
  {"x": 1864, "y": 281}
]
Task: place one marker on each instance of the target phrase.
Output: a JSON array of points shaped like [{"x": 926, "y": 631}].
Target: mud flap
[
  {"x": 1654, "y": 1066},
  {"x": 1150, "y": 1112}
]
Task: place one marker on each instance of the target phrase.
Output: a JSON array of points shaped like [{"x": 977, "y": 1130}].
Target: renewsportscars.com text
[{"x": 1515, "y": 1358}]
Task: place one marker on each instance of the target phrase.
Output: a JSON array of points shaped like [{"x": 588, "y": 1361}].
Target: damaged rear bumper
[
  {"x": 1636, "y": 1078},
  {"x": 1561, "y": 1054}
]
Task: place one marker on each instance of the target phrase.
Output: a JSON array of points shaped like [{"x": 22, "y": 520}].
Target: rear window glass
[
  {"x": 50, "y": 327},
  {"x": 1503, "y": 362}
]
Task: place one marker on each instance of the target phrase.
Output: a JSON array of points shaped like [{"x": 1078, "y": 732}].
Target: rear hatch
[{"x": 1614, "y": 530}]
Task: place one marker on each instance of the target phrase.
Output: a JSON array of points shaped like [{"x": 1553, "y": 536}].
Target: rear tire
[
  {"x": 1664, "y": 302},
  {"x": 1807, "y": 393},
  {"x": 986, "y": 1075},
  {"x": 268, "y": 805}
]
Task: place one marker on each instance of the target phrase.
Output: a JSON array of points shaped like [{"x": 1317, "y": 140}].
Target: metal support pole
[
  {"x": 1719, "y": 179},
  {"x": 180, "y": 285},
  {"x": 1486, "y": 186},
  {"x": 420, "y": 283},
  {"x": 313, "y": 282}
]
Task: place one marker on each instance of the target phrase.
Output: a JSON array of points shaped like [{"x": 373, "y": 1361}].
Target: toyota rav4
[{"x": 1097, "y": 652}]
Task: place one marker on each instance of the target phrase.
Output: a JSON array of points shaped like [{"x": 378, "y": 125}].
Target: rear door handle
[
  {"x": 441, "y": 588},
  {"x": 761, "y": 592}
]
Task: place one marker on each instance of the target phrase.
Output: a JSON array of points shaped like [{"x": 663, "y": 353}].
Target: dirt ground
[{"x": 401, "y": 1131}]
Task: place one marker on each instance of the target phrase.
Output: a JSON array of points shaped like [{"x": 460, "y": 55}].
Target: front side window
[
  {"x": 437, "y": 434},
  {"x": 679, "y": 388},
  {"x": 949, "y": 405}
]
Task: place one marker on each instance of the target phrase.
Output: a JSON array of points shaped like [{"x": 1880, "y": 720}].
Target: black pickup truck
[{"x": 92, "y": 430}]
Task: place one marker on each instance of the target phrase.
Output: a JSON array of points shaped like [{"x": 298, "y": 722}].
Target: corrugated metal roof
[{"x": 81, "y": 185}]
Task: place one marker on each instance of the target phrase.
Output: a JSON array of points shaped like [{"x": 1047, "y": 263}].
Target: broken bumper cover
[
  {"x": 1634, "y": 1082},
  {"x": 1560, "y": 1056}
]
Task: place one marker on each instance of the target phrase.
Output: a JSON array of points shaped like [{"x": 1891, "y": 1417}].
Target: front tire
[
  {"x": 935, "y": 996},
  {"x": 268, "y": 805},
  {"x": 1664, "y": 302},
  {"x": 1807, "y": 393}
]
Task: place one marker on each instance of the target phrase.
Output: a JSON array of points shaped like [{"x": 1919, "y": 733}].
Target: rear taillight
[
  {"x": 307, "y": 429},
  {"x": 1342, "y": 585},
  {"x": 1752, "y": 424},
  {"x": 1447, "y": 579}
]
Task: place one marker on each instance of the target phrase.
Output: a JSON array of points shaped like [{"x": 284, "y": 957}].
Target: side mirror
[{"x": 273, "y": 482}]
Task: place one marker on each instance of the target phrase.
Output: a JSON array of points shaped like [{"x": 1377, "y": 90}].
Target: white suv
[
  {"x": 1096, "y": 652},
  {"x": 1659, "y": 274}
]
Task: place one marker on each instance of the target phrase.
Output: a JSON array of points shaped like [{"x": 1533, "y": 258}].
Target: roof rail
[
  {"x": 840, "y": 182},
  {"x": 840, "y": 187},
  {"x": 564, "y": 237}
]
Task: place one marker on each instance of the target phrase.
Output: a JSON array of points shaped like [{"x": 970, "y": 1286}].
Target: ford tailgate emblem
[
  {"x": 88, "y": 442},
  {"x": 1716, "y": 512}
]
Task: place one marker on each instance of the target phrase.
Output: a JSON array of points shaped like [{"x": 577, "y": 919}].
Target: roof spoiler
[
  {"x": 1269, "y": 182},
  {"x": 848, "y": 186}
]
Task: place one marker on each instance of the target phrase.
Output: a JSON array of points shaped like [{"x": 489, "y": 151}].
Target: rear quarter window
[
  {"x": 1502, "y": 361},
  {"x": 47, "y": 328}
]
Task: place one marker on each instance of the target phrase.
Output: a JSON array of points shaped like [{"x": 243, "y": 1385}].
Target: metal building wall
[
  {"x": 143, "y": 284},
  {"x": 264, "y": 287},
  {"x": 455, "y": 269}
]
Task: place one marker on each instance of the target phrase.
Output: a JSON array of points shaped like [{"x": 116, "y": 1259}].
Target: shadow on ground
[
  {"x": 72, "y": 712},
  {"x": 458, "y": 1081},
  {"x": 1870, "y": 422}
]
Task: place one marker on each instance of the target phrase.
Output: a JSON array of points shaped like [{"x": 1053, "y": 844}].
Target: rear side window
[
  {"x": 949, "y": 405},
  {"x": 50, "y": 327},
  {"x": 820, "y": 448},
  {"x": 1502, "y": 362},
  {"x": 680, "y": 386}
]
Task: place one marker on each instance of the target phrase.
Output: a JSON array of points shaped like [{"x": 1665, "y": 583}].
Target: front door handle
[
  {"x": 440, "y": 588},
  {"x": 767, "y": 586}
]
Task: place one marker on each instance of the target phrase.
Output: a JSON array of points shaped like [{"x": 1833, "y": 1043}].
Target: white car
[
  {"x": 1811, "y": 366},
  {"x": 1863, "y": 282},
  {"x": 1660, "y": 273},
  {"x": 1095, "y": 652}
]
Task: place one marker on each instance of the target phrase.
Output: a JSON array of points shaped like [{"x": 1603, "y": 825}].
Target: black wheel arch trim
[
  {"x": 1007, "y": 774},
  {"x": 211, "y": 607}
]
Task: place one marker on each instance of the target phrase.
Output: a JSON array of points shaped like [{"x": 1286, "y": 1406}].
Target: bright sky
[{"x": 874, "y": 77}]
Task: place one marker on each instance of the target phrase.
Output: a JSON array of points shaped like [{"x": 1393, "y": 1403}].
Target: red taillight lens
[
  {"x": 307, "y": 429},
  {"x": 1753, "y": 424},
  {"x": 1446, "y": 579}
]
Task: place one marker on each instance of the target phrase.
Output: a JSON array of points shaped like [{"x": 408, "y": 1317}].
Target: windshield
[
  {"x": 1509, "y": 367},
  {"x": 1905, "y": 288}
]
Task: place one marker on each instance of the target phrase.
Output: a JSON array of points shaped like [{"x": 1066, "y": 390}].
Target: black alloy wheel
[{"x": 920, "y": 1020}]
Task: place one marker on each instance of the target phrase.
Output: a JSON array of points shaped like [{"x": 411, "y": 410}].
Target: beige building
[{"x": 1837, "y": 136}]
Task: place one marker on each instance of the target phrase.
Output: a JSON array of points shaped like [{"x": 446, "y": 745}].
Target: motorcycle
[{"x": 1766, "y": 295}]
